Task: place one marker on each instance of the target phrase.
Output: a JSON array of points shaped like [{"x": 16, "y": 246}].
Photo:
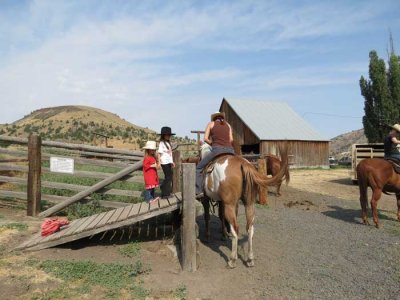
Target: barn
[{"x": 259, "y": 127}]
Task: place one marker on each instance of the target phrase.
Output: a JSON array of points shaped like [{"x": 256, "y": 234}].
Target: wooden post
[
  {"x": 262, "y": 168},
  {"x": 34, "y": 173},
  {"x": 176, "y": 174},
  {"x": 188, "y": 236},
  {"x": 92, "y": 189}
]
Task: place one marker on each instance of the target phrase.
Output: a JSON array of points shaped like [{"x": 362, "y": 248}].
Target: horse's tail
[
  {"x": 286, "y": 167},
  {"x": 253, "y": 179}
]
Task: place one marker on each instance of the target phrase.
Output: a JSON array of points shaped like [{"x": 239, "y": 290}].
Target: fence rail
[{"x": 23, "y": 160}]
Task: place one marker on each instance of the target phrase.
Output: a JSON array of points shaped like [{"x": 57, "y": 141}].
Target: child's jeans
[{"x": 149, "y": 194}]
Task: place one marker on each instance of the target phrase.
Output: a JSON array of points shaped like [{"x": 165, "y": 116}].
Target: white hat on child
[{"x": 150, "y": 145}]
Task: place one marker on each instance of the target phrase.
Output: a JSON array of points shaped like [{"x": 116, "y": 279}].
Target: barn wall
[
  {"x": 241, "y": 133},
  {"x": 305, "y": 153}
]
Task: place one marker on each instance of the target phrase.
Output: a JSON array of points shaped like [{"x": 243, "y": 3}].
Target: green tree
[{"x": 381, "y": 96}]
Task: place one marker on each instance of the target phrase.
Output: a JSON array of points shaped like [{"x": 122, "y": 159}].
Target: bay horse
[
  {"x": 380, "y": 175},
  {"x": 273, "y": 168},
  {"x": 233, "y": 178}
]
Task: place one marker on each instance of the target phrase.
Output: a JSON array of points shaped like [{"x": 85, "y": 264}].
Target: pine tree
[{"x": 380, "y": 92}]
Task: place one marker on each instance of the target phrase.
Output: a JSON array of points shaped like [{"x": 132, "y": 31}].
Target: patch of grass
[
  {"x": 139, "y": 292},
  {"x": 130, "y": 250},
  {"x": 181, "y": 292},
  {"x": 17, "y": 226},
  {"x": 1, "y": 217},
  {"x": 64, "y": 291},
  {"x": 2, "y": 250},
  {"x": 81, "y": 210},
  {"x": 263, "y": 206},
  {"x": 112, "y": 276}
]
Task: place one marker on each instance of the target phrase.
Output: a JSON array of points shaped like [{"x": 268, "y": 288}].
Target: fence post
[
  {"x": 34, "y": 174},
  {"x": 188, "y": 236},
  {"x": 176, "y": 174},
  {"x": 262, "y": 169}
]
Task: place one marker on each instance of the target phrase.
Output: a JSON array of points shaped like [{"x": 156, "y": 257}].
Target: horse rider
[
  {"x": 219, "y": 135},
  {"x": 390, "y": 144}
]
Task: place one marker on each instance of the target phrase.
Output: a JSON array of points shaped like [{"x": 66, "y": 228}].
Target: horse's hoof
[
  {"x": 278, "y": 195},
  {"x": 377, "y": 225},
  {"x": 250, "y": 263},
  {"x": 365, "y": 222},
  {"x": 231, "y": 264}
]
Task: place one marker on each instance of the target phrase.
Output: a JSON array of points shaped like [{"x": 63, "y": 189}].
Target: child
[
  {"x": 166, "y": 161},
  {"x": 150, "y": 167}
]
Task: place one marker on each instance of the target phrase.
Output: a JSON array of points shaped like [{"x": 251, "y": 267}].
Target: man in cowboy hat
[
  {"x": 390, "y": 143},
  {"x": 219, "y": 135}
]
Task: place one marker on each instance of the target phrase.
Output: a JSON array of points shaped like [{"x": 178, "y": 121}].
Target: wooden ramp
[{"x": 120, "y": 217}]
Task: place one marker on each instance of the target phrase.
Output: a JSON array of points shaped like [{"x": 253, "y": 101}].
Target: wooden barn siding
[
  {"x": 305, "y": 153},
  {"x": 241, "y": 133}
]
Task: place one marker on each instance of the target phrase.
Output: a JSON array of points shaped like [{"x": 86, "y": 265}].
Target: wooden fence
[{"x": 25, "y": 166}]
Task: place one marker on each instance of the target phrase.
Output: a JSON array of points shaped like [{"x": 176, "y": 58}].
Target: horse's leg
[
  {"x": 230, "y": 215},
  {"x": 376, "y": 195},
  {"x": 250, "y": 231},
  {"x": 398, "y": 206},
  {"x": 206, "y": 205},
  {"x": 224, "y": 224},
  {"x": 278, "y": 189},
  {"x": 363, "y": 200}
]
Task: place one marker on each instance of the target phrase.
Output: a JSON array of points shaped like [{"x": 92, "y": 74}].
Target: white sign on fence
[{"x": 62, "y": 165}]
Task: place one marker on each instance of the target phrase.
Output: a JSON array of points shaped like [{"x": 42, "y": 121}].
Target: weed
[
  {"x": 80, "y": 210},
  {"x": 130, "y": 250},
  {"x": 264, "y": 206},
  {"x": 139, "y": 292},
  {"x": 181, "y": 292},
  {"x": 111, "y": 275},
  {"x": 17, "y": 226}
]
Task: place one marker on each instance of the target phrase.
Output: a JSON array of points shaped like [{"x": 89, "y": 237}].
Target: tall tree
[{"x": 381, "y": 94}]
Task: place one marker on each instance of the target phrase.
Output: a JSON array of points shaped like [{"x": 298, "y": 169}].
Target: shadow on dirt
[
  {"x": 352, "y": 215},
  {"x": 344, "y": 181},
  {"x": 215, "y": 242}
]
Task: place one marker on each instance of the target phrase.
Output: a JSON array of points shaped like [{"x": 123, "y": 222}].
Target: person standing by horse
[
  {"x": 390, "y": 143},
  {"x": 219, "y": 135},
  {"x": 166, "y": 160}
]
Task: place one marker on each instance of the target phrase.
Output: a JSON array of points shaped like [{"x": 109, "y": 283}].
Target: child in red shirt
[{"x": 150, "y": 167}]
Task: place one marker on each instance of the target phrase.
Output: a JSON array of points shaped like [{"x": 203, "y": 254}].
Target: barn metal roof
[{"x": 274, "y": 120}]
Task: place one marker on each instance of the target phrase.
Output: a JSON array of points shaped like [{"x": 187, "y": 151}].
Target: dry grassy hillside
[
  {"x": 79, "y": 124},
  {"x": 343, "y": 142}
]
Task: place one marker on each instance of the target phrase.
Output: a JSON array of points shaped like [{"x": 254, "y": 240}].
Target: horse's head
[{"x": 204, "y": 150}]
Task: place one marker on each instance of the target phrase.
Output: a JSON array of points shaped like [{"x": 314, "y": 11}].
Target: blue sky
[{"x": 171, "y": 62}]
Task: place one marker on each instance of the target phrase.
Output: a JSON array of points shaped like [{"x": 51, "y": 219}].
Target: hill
[
  {"x": 81, "y": 124},
  {"x": 343, "y": 142}
]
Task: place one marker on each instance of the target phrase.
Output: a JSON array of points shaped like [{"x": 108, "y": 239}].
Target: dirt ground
[{"x": 309, "y": 243}]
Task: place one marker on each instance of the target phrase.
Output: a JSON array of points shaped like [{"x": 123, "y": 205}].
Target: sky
[{"x": 159, "y": 63}]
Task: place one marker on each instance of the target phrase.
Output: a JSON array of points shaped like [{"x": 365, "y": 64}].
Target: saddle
[
  {"x": 210, "y": 167},
  {"x": 395, "y": 163}
]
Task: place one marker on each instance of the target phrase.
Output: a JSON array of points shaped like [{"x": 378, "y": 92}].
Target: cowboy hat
[
  {"x": 396, "y": 127},
  {"x": 217, "y": 115},
  {"x": 150, "y": 145},
  {"x": 166, "y": 130}
]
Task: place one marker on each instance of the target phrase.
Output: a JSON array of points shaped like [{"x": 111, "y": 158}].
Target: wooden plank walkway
[{"x": 113, "y": 219}]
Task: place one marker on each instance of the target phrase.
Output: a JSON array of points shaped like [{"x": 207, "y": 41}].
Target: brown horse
[
  {"x": 231, "y": 179},
  {"x": 273, "y": 168},
  {"x": 378, "y": 174}
]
